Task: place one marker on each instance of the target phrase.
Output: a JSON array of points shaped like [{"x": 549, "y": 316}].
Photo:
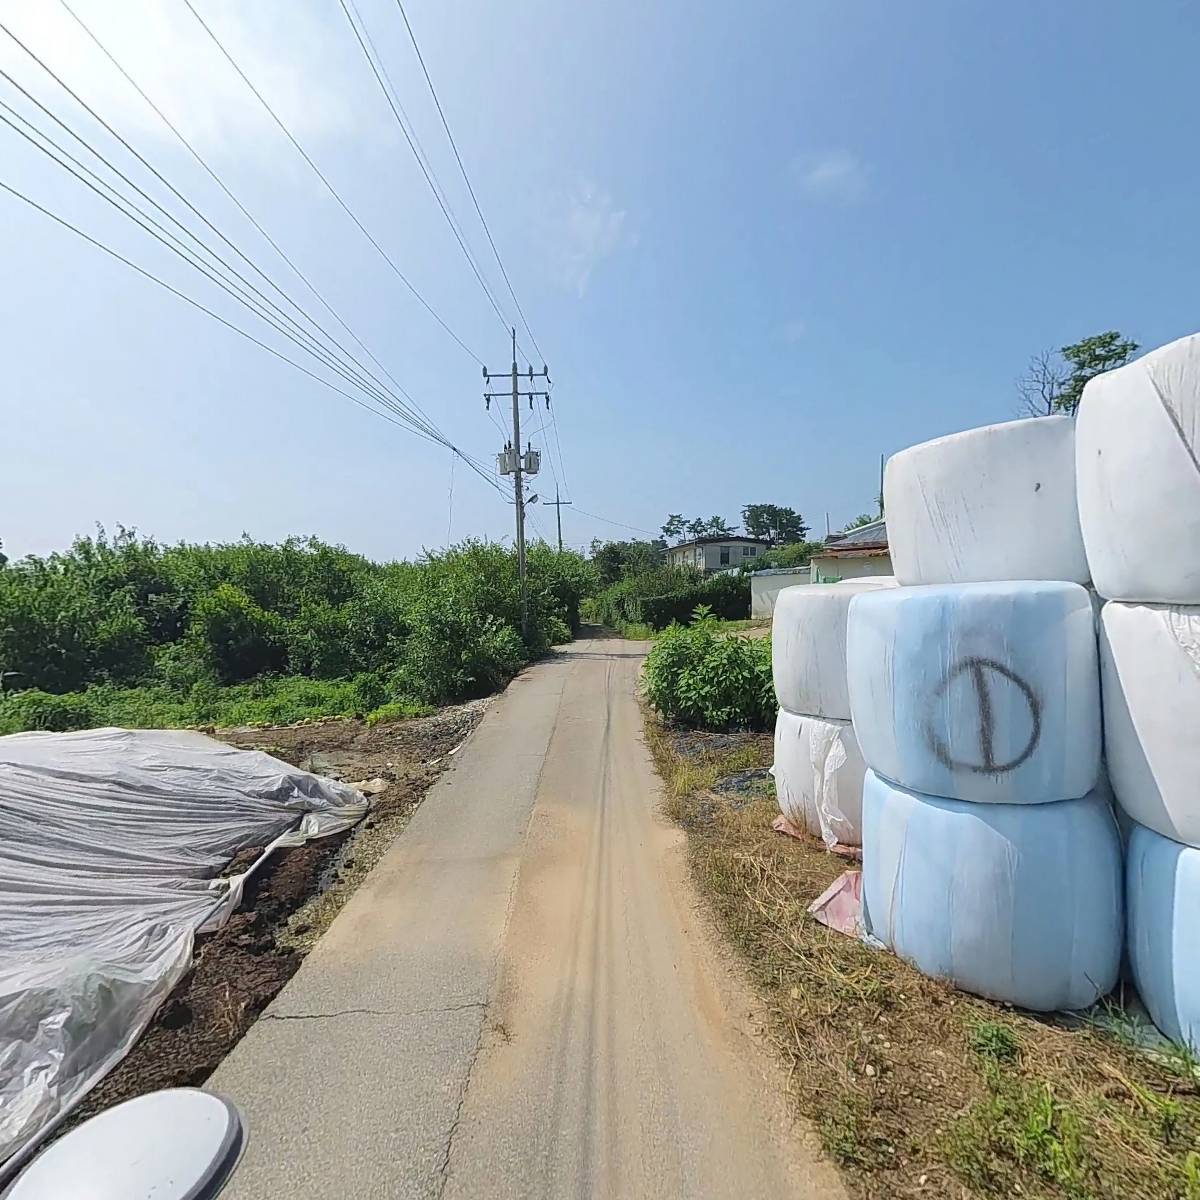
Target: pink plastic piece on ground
[
  {"x": 840, "y": 905},
  {"x": 782, "y": 825}
]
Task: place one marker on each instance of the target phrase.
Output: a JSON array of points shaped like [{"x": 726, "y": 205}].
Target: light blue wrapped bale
[
  {"x": 977, "y": 691},
  {"x": 1163, "y": 887},
  {"x": 1016, "y": 902}
]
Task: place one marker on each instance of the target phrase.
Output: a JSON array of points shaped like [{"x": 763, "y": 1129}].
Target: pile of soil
[{"x": 288, "y": 902}]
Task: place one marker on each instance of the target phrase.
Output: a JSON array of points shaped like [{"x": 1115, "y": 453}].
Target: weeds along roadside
[{"x": 916, "y": 1089}]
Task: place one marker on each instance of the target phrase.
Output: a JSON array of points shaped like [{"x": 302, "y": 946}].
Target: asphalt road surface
[{"x": 523, "y": 999}]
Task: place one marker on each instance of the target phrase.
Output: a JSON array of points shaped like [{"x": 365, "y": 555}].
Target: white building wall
[{"x": 765, "y": 587}]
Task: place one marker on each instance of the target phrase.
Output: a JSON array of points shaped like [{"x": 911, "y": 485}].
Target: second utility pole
[{"x": 558, "y": 507}]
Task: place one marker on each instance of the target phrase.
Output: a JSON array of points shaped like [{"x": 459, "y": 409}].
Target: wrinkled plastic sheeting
[
  {"x": 1137, "y": 447},
  {"x": 808, "y": 645},
  {"x": 1019, "y": 903},
  {"x": 112, "y": 843},
  {"x": 991, "y": 503},
  {"x": 1150, "y": 672},
  {"x": 819, "y": 776},
  {"x": 1162, "y": 880},
  {"x": 981, "y": 691}
]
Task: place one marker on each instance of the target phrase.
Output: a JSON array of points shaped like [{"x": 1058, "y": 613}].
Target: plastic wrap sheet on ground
[
  {"x": 1163, "y": 896},
  {"x": 808, "y": 646},
  {"x": 991, "y": 503},
  {"x": 818, "y": 777},
  {"x": 1150, "y": 672},
  {"x": 111, "y": 843},
  {"x": 980, "y": 691},
  {"x": 1137, "y": 448},
  {"x": 1019, "y": 903}
]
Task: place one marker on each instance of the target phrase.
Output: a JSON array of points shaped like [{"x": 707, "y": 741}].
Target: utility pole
[
  {"x": 513, "y": 462},
  {"x": 558, "y": 507}
]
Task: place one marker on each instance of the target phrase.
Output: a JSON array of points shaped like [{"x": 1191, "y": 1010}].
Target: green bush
[
  {"x": 398, "y": 710},
  {"x": 696, "y": 677},
  {"x": 41, "y": 710},
  {"x": 180, "y": 635},
  {"x": 667, "y": 595}
]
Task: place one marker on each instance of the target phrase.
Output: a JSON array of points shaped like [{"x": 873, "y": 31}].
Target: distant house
[
  {"x": 855, "y": 554},
  {"x": 712, "y": 554}
]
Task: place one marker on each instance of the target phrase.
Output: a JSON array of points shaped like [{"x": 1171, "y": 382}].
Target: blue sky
[{"x": 760, "y": 245}]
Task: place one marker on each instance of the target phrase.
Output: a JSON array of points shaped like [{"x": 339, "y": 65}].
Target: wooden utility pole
[
  {"x": 558, "y": 507},
  {"x": 513, "y": 462}
]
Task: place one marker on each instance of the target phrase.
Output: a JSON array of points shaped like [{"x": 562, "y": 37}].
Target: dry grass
[{"x": 918, "y": 1089}]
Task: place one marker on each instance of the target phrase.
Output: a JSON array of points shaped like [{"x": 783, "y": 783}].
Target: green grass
[
  {"x": 274, "y": 700},
  {"x": 399, "y": 710},
  {"x": 995, "y": 1041}
]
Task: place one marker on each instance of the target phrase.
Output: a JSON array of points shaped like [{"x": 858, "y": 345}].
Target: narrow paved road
[{"x": 522, "y": 1000}]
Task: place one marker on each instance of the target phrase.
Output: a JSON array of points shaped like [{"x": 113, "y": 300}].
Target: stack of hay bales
[
  {"x": 1139, "y": 505},
  {"x": 818, "y": 767},
  {"x": 990, "y": 857}
]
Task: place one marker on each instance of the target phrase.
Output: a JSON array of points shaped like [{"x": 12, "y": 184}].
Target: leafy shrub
[
  {"x": 41, "y": 710},
  {"x": 242, "y": 638},
  {"x": 668, "y": 595},
  {"x": 696, "y": 677},
  {"x": 398, "y": 710}
]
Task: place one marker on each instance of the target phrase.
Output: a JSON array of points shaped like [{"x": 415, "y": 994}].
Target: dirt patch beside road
[{"x": 291, "y": 901}]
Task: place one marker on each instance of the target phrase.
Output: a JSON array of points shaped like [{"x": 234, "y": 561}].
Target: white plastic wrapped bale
[
  {"x": 808, "y": 645},
  {"x": 991, "y": 503},
  {"x": 1019, "y": 903},
  {"x": 1162, "y": 881},
  {"x": 1150, "y": 671},
  {"x": 978, "y": 691},
  {"x": 819, "y": 776},
  {"x": 1137, "y": 442}
]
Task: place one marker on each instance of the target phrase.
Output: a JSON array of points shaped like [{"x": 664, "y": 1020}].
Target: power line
[
  {"x": 467, "y": 179},
  {"x": 610, "y": 521},
  {"x": 399, "y": 405},
  {"x": 434, "y": 187},
  {"x": 329, "y": 186},
  {"x": 241, "y": 207},
  {"x": 260, "y": 307}
]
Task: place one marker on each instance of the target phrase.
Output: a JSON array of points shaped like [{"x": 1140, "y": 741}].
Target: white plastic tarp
[
  {"x": 977, "y": 691},
  {"x": 1138, "y": 464},
  {"x": 990, "y": 503},
  {"x": 112, "y": 842},
  {"x": 819, "y": 776},
  {"x": 1017, "y": 902}
]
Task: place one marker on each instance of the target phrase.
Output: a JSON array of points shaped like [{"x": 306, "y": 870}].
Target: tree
[
  {"x": 860, "y": 520},
  {"x": 1042, "y": 384},
  {"x": 1054, "y": 380},
  {"x": 674, "y": 526},
  {"x": 695, "y": 528},
  {"x": 615, "y": 561},
  {"x": 774, "y": 524},
  {"x": 717, "y": 527},
  {"x": 1089, "y": 358}
]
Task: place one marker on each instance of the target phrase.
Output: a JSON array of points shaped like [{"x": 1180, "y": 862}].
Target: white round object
[
  {"x": 1019, "y": 903},
  {"x": 808, "y": 645},
  {"x": 1137, "y": 447},
  {"x": 819, "y": 776},
  {"x": 977, "y": 691},
  {"x": 1162, "y": 888},
  {"x": 1150, "y": 671},
  {"x": 991, "y": 503},
  {"x": 178, "y": 1144}
]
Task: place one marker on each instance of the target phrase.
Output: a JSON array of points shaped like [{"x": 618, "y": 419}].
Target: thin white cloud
[
  {"x": 592, "y": 229},
  {"x": 282, "y": 47},
  {"x": 833, "y": 175}
]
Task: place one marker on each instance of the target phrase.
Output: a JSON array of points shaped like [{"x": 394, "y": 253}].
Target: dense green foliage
[
  {"x": 697, "y": 677},
  {"x": 665, "y": 595},
  {"x": 794, "y": 554},
  {"x": 1055, "y": 379},
  {"x": 125, "y": 631},
  {"x": 774, "y": 523},
  {"x": 615, "y": 561}
]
